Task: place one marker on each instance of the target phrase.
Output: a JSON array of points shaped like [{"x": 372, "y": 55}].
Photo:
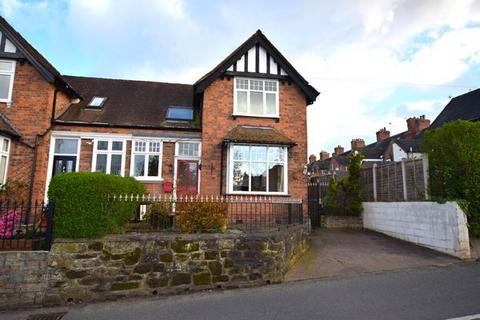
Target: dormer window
[
  {"x": 180, "y": 113},
  {"x": 256, "y": 98},
  {"x": 97, "y": 102}
]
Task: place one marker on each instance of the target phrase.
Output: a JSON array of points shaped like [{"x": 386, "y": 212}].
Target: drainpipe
[{"x": 221, "y": 167}]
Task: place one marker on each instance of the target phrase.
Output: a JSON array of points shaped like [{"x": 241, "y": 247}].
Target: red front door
[{"x": 187, "y": 177}]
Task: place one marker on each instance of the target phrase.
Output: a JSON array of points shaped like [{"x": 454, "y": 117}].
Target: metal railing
[
  {"x": 246, "y": 213},
  {"x": 24, "y": 226}
]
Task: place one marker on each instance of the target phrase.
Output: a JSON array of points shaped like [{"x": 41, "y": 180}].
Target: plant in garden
[
  {"x": 454, "y": 167},
  {"x": 351, "y": 185},
  {"x": 83, "y": 208},
  {"x": 8, "y": 221},
  {"x": 158, "y": 215},
  {"x": 331, "y": 196},
  {"x": 193, "y": 217}
]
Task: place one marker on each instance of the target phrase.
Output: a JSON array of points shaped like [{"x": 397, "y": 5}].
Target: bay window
[
  {"x": 109, "y": 156},
  {"x": 147, "y": 159},
  {"x": 258, "y": 169},
  {"x": 255, "y": 97}
]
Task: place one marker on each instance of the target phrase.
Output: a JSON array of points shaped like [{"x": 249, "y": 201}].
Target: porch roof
[
  {"x": 259, "y": 135},
  {"x": 7, "y": 127}
]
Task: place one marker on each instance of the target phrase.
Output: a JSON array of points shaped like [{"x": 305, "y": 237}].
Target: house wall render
[{"x": 441, "y": 227}]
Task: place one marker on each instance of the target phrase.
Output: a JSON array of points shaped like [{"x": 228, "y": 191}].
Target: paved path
[
  {"x": 428, "y": 293},
  {"x": 347, "y": 252}
]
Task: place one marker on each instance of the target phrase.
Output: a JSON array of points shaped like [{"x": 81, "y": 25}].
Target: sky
[{"x": 375, "y": 63}]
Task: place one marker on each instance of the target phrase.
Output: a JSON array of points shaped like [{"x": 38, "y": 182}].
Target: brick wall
[
  {"x": 30, "y": 111},
  {"x": 217, "y": 121}
]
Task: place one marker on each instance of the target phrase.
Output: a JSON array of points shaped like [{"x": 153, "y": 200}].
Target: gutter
[{"x": 108, "y": 125}]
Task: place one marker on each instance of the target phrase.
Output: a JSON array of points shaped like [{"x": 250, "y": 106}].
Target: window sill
[
  {"x": 149, "y": 180},
  {"x": 256, "y": 194},
  {"x": 235, "y": 115}
]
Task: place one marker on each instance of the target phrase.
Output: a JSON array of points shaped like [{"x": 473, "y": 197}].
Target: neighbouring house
[
  {"x": 240, "y": 129},
  {"x": 404, "y": 145},
  {"x": 463, "y": 107}
]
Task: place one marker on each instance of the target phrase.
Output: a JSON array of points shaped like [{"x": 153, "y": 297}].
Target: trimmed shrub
[
  {"x": 194, "y": 217},
  {"x": 82, "y": 208},
  {"x": 454, "y": 167}
]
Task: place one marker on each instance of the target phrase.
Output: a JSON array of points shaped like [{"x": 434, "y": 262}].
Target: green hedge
[
  {"x": 82, "y": 209},
  {"x": 454, "y": 167}
]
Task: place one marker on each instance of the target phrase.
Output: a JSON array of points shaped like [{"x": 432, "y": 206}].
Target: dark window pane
[
  {"x": 116, "y": 164},
  {"x": 139, "y": 165},
  {"x": 275, "y": 178},
  {"x": 66, "y": 146},
  {"x": 179, "y": 113},
  {"x": 4, "y": 85},
  {"x": 153, "y": 166},
  {"x": 240, "y": 176},
  {"x": 101, "y": 165},
  {"x": 259, "y": 177},
  {"x": 117, "y": 145}
]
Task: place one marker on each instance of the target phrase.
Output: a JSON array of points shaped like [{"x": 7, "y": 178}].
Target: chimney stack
[
  {"x": 415, "y": 125},
  {"x": 312, "y": 158},
  {"x": 357, "y": 144},
  {"x": 324, "y": 155},
  {"x": 382, "y": 134},
  {"x": 338, "y": 150}
]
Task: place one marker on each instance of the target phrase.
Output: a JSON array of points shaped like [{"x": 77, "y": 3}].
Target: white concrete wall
[{"x": 441, "y": 227}]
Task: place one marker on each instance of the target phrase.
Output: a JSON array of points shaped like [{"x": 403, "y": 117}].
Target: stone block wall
[
  {"x": 23, "y": 278},
  {"x": 441, "y": 227},
  {"x": 150, "y": 264},
  {"x": 341, "y": 222}
]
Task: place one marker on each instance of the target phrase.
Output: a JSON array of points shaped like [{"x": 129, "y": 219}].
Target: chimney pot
[
  {"x": 382, "y": 134},
  {"x": 357, "y": 144},
  {"x": 338, "y": 150},
  {"x": 324, "y": 155}
]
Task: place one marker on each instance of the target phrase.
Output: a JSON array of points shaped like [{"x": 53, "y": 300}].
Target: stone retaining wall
[
  {"x": 343, "y": 222},
  {"x": 150, "y": 264},
  {"x": 22, "y": 278}
]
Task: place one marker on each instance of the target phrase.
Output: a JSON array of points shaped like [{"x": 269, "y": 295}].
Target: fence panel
[
  {"x": 24, "y": 226},
  {"x": 396, "y": 181}
]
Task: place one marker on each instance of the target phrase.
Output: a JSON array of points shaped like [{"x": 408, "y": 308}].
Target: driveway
[{"x": 348, "y": 252}]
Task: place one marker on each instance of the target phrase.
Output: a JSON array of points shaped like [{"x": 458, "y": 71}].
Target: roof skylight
[
  {"x": 179, "y": 113},
  {"x": 97, "y": 102}
]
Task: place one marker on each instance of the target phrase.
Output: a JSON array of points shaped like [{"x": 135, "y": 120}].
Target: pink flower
[{"x": 9, "y": 221}]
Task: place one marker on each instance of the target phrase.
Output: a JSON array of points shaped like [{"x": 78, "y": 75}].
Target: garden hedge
[
  {"x": 82, "y": 207},
  {"x": 454, "y": 167}
]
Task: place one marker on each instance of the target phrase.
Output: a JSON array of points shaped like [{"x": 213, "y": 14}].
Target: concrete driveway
[{"x": 347, "y": 252}]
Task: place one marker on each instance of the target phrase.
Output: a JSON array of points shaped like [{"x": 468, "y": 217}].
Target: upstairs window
[
  {"x": 4, "y": 155},
  {"x": 180, "y": 113},
  {"x": 97, "y": 102},
  {"x": 7, "y": 73},
  {"x": 256, "y": 97}
]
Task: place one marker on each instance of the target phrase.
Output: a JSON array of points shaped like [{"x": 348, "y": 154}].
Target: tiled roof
[
  {"x": 129, "y": 103},
  {"x": 464, "y": 107},
  {"x": 7, "y": 127},
  {"x": 261, "y": 135}
]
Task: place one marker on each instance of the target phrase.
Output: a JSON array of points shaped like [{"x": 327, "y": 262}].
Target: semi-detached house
[{"x": 240, "y": 129}]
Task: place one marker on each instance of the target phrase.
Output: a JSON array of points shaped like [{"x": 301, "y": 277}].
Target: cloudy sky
[{"x": 375, "y": 63}]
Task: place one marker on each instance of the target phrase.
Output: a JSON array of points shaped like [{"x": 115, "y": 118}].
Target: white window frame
[
  {"x": 183, "y": 156},
  {"x": 7, "y": 155},
  {"x": 248, "y": 113},
  {"x": 147, "y": 152},
  {"x": 109, "y": 152},
  {"x": 230, "y": 170},
  {"x": 11, "y": 73},
  {"x": 178, "y": 156}
]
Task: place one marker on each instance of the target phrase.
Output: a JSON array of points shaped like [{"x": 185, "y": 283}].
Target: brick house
[
  {"x": 240, "y": 129},
  {"x": 404, "y": 145}
]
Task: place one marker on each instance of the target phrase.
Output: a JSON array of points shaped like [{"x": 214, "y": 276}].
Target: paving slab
[{"x": 339, "y": 252}]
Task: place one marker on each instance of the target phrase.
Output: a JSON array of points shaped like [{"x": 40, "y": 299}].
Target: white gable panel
[
  {"x": 231, "y": 68},
  {"x": 9, "y": 47},
  {"x": 241, "y": 64},
  {"x": 251, "y": 60},
  {"x": 262, "y": 63},
  {"x": 273, "y": 66},
  {"x": 282, "y": 72}
]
